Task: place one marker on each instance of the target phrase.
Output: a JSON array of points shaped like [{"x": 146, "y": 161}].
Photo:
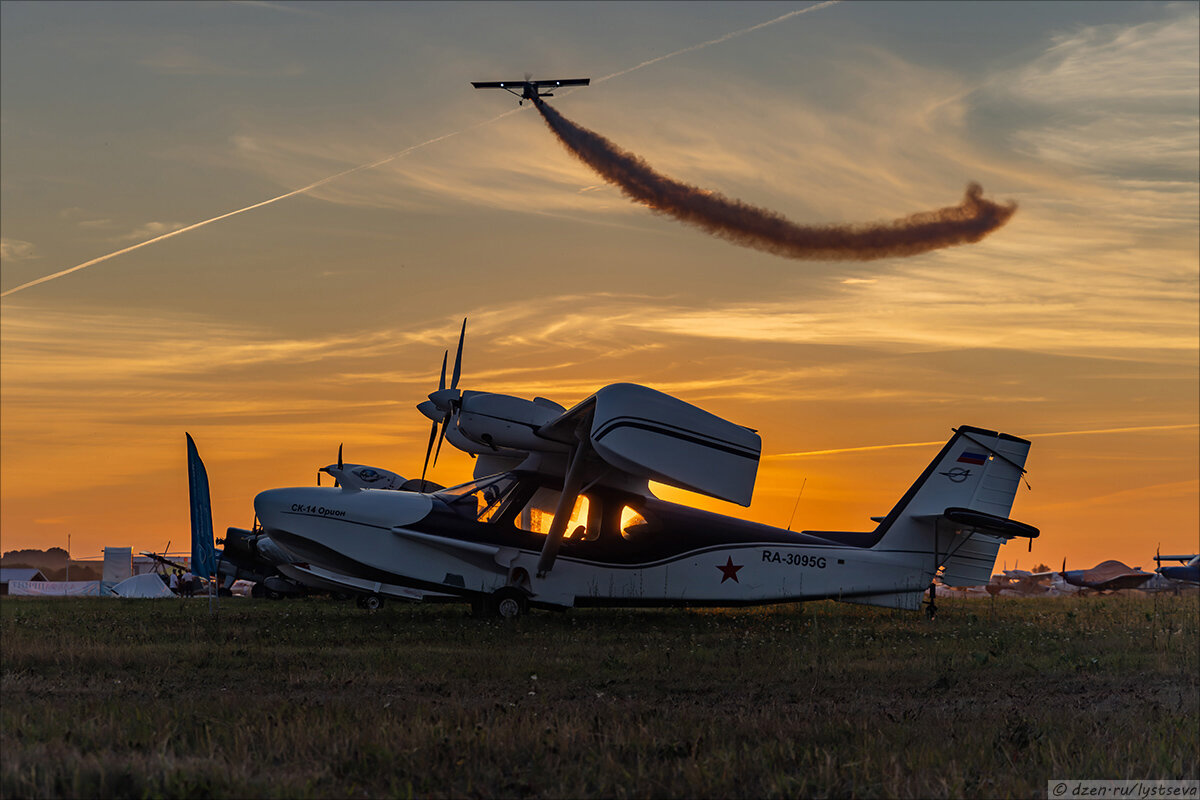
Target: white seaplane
[{"x": 560, "y": 514}]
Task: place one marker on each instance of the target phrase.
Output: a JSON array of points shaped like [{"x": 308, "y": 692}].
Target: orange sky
[{"x": 274, "y": 335}]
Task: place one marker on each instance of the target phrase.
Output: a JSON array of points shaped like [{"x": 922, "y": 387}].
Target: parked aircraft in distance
[
  {"x": 1188, "y": 573},
  {"x": 1019, "y": 581},
  {"x": 529, "y": 89},
  {"x": 1107, "y": 576},
  {"x": 560, "y": 514}
]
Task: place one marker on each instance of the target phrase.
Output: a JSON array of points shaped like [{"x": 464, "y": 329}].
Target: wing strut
[{"x": 572, "y": 485}]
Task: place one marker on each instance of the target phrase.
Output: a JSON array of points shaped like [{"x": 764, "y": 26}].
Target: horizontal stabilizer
[{"x": 982, "y": 522}]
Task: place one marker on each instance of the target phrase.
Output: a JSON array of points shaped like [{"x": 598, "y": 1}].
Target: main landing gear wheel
[
  {"x": 371, "y": 602},
  {"x": 510, "y": 603}
]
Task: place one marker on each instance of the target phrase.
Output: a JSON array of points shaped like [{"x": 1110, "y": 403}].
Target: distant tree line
[{"x": 52, "y": 563}]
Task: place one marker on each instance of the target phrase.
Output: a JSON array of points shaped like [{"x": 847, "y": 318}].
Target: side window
[
  {"x": 633, "y": 524},
  {"x": 538, "y": 515}
]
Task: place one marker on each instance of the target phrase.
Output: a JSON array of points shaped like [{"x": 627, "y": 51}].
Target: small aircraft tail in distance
[{"x": 528, "y": 89}]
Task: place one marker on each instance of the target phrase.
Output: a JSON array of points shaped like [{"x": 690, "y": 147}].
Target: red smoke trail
[{"x": 750, "y": 226}]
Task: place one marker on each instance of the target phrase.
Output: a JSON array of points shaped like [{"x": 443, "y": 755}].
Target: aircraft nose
[{"x": 270, "y": 506}]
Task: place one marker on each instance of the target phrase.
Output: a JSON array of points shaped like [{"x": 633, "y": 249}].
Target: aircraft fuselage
[{"x": 668, "y": 555}]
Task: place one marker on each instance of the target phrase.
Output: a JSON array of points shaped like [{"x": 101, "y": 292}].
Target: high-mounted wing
[
  {"x": 646, "y": 434},
  {"x": 529, "y": 89}
]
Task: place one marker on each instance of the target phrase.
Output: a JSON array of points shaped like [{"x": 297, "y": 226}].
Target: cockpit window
[{"x": 481, "y": 499}]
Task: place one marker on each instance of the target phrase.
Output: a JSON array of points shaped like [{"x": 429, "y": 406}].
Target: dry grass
[{"x": 314, "y": 698}]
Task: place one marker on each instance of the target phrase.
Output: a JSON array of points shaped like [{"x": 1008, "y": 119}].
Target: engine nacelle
[{"x": 500, "y": 422}]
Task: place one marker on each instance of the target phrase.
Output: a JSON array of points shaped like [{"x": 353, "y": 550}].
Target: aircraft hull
[{"x": 385, "y": 538}]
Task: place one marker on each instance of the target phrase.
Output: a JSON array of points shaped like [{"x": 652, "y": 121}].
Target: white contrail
[
  {"x": 1093, "y": 432},
  {"x": 720, "y": 39},
  {"x": 227, "y": 214},
  {"x": 404, "y": 152}
]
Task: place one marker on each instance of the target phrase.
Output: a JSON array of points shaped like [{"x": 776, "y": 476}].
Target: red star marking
[{"x": 728, "y": 570}]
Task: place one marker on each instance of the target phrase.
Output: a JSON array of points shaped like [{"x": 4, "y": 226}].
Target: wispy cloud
[
  {"x": 149, "y": 230},
  {"x": 287, "y": 8},
  {"x": 1117, "y": 98},
  {"x": 17, "y": 250},
  {"x": 182, "y": 58}
]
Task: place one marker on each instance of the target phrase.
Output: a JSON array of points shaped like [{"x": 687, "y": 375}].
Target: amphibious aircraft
[
  {"x": 529, "y": 89},
  {"x": 560, "y": 514}
]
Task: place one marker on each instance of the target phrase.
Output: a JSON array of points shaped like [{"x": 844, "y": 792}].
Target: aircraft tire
[
  {"x": 372, "y": 602},
  {"x": 509, "y": 603}
]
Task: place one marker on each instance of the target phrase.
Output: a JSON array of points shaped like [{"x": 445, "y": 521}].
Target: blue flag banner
[{"x": 204, "y": 552}]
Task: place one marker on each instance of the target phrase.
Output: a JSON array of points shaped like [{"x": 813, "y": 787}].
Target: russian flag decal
[{"x": 973, "y": 458}]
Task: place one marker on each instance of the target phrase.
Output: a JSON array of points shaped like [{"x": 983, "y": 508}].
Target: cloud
[
  {"x": 17, "y": 250},
  {"x": 181, "y": 58},
  {"x": 149, "y": 231},
  {"x": 1116, "y": 98},
  {"x": 283, "y": 7}
]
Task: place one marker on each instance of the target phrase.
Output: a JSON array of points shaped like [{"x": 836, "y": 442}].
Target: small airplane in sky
[
  {"x": 1107, "y": 576},
  {"x": 529, "y": 89},
  {"x": 560, "y": 513},
  {"x": 1188, "y": 573}
]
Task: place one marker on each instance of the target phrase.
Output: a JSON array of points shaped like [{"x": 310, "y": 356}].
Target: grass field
[{"x": 314, "y": 698}]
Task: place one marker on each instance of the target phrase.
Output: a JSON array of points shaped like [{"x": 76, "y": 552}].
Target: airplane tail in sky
[{"x": 957, "y": 511}]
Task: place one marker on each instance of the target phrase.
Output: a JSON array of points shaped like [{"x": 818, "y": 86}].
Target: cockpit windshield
[{"x": 481, "y": 499}]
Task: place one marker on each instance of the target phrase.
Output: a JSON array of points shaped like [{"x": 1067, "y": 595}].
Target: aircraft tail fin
[
  {"x": 957, "y": 510},
  {"x": 204, "y": 552}
]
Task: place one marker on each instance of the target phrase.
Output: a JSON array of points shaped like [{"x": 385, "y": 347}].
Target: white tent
[
  {"x": 54, "y": 588},
  {"x": 148, "y": 585}
]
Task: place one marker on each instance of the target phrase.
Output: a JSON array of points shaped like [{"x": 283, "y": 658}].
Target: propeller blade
[
  {"x": 428, "y": 450},
  {"x": 339, "y": 456},
  {"x": 442, "y": 380},
  {"x": 441, "y": 438},
  {"x": 458, "y": 358}
]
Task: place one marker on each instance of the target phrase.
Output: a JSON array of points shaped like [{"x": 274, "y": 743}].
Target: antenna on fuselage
[{"x": 797, "y": 504}]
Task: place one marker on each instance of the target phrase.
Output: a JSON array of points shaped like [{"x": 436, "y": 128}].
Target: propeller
[
  {"x": 335, "y": 480},
  {"x": 442, "y": 404}
]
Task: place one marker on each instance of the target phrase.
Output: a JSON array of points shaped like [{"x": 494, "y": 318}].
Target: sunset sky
[{"x": 275, "y": 334}]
